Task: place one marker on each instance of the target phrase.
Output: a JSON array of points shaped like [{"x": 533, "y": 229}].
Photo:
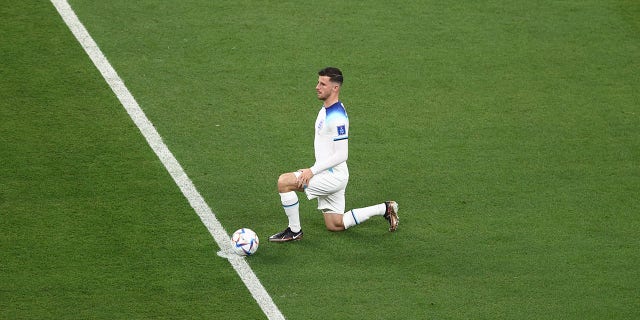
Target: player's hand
[{"x": 305, "y": 176}]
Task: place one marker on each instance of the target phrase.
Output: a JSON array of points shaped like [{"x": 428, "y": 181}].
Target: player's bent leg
[
  {"x": 287, "y": 187},
  {"x": 333, "y": 221},
  {"x": 389, "y": 210},
  {"x": 288, "y": 182}
]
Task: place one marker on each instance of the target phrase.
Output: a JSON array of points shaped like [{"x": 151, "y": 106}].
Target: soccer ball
[{"x": 245, "y": 242}]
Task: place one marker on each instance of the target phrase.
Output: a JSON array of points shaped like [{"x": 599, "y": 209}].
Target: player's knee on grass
[{"x": 333, "y": 222}]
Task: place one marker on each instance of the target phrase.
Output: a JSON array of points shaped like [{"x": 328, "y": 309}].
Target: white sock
[
  {"x": 360, "y": 215},
  {"x": 291, "y": 209}
]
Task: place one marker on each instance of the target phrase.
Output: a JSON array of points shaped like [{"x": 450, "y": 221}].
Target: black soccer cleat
[
  {"x": 286, "y": 235},
  {"x": 392, "y": 215}
]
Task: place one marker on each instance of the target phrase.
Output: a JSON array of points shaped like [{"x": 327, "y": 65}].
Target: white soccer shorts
[{"x": 329, "y": 188}]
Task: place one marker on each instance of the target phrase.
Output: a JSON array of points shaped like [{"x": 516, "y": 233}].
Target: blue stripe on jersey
[
  {"x": 337, "y": 115},
  {"x": 336, "y": 110}
]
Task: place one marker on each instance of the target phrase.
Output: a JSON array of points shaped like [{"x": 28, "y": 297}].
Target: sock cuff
[
  {"x": 355, "y": 219},
  {"x": 349, "y": 219},
  {"x": 289, "y": 198}
]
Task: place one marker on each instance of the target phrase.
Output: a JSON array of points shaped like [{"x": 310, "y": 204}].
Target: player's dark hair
[{"x": 333, "y": 73}]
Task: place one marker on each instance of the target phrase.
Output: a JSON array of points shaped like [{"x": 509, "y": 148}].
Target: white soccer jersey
[{"x": 330, "y": 143}]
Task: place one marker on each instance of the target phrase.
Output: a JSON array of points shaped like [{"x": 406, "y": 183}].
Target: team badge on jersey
[{"x": 342, "y": 130}]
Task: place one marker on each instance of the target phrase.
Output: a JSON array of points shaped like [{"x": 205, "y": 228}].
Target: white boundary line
[{"x": 174, "y": 168}]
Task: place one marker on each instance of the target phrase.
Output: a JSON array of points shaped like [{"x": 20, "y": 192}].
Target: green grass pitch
[{"x": 508, "y": 131}]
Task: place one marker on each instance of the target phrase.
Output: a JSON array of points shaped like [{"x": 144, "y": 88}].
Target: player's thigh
[
  {"x": 332, "y": 203},
  {"x": 325, "y": 184}
]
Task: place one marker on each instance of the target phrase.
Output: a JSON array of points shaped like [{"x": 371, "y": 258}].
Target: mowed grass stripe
[{"x": 92, "y": 225}]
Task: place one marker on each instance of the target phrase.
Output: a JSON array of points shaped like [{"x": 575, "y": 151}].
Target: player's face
[{"x": 325, "y": 88}]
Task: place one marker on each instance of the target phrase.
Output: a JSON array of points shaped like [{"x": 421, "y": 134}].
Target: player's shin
[
  {"x": 291, "y": 209},
  {"x": 357, "y": 216}
]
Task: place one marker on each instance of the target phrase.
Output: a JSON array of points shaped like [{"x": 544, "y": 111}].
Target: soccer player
[{"x": 327, "y": 179}]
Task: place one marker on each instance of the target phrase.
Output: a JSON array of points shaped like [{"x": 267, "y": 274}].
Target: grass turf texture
[
  {"x": 92, "y": 225},
  {"x": 508, "y": 132}
]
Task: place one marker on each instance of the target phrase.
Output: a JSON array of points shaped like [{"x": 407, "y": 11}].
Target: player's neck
[{"x": 329, "y": 102}]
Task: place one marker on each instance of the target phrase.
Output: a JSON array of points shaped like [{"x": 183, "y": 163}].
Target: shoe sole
[
  {"x": 393, "y": 217},
  {"x": 286, "y": 240}
]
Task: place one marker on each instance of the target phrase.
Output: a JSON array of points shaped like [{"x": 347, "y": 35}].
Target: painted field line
[{"x": 174, "y": 168}]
